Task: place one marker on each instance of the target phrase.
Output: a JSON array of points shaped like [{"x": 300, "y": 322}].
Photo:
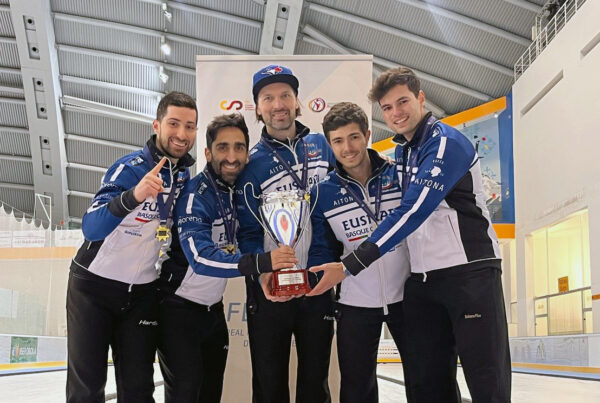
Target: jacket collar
[
  {"x": 221, "y": 184},
  {"x": 301, "y": 131},
  {"x": 419, "y": 133},
  {"x": 378, "y": 164},
  {"x": 184, "y": 162}
]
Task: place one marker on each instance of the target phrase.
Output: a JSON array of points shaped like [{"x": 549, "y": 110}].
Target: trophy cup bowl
[{"x": 283, "y": 215}]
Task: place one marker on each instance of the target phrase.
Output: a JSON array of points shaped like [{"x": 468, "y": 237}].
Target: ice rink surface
[{"x": 49, "y": 387}]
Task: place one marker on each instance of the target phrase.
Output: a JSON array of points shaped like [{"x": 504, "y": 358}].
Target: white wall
[{"x": 557, "y": 147}]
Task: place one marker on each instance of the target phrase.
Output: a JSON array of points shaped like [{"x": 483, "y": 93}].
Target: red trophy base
[{"x": 288, "y": 282}]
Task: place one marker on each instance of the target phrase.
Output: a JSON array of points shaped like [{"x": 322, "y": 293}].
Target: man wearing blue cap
[{"x": 287, "y": 157}]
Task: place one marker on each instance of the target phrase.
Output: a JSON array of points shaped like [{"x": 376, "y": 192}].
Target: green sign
[{"x": 23, "y": 349}]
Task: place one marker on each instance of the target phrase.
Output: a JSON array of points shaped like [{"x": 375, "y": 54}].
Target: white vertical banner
[{"x": 223, "y": 86}]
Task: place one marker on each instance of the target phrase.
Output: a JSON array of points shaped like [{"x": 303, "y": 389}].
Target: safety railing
[
  {"x": 568, "y": 312},
  {"x": 546, "y": 34}
]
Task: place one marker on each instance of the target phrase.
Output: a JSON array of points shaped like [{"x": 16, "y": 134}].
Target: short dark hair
[
  {"x": 223, "y": 121},
  {"x": 391, "y": 78},
  {"x": 342, "y": 114},
  {"x": 176, "y": 99}
]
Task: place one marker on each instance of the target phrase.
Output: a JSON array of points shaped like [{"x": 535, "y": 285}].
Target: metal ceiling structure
[{"x": 98, "y": 68}]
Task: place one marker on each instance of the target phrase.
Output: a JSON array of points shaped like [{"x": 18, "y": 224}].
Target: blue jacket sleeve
[
  {"x": 324, "y": 247},
  {"x": 194, "y": 222},
  {"x": 112, "y": 203},
  {"x": 250, "y": 234},
  {"x": 442, "y": 162}
]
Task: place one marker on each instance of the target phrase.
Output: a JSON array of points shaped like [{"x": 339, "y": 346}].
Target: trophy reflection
[{"x": 284, "y": 216}]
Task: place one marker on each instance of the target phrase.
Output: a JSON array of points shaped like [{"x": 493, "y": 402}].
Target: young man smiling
[
  {"x": 348, "y": 205},
  {"x": 111, "y": 295},
  {"x": 193, "y": 337},
  {"x": 453, "y": 300}
]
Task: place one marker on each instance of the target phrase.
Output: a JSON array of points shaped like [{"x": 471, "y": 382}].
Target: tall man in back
[
  {"x": 287, "y": 157},
  {"x": 453, "y": 300}
]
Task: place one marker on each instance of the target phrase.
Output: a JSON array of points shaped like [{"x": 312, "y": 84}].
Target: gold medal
[
  {"x": 163, "y": 233},
  {"x": 229, "y": 249}
]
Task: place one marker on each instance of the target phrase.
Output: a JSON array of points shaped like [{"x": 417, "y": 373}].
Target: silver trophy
[{"x": 283, "y": 215}]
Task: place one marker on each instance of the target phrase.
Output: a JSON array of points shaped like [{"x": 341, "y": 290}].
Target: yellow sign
[{"x": 563, "y": 284}]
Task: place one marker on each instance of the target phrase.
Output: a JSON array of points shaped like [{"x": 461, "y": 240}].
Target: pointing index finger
[{"x": 158, "y": 166}]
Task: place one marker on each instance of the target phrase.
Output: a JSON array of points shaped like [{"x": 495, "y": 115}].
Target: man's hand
[
  {"x": 265, "y": 283},
  {"x": 283, "y": 257},
  {"x": 151, "y": 184},
  {"x": 333, "y": 274}
]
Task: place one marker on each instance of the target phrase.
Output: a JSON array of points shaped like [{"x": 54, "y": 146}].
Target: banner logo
[{"x": 317, "y": 104}]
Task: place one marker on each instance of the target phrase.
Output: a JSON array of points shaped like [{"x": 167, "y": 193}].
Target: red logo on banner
[{"x": 317, "y": 104}]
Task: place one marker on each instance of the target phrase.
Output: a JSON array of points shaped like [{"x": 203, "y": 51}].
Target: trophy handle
[
  {"x": 265, "y": 229},
  {"x": 310, "y": 213}
]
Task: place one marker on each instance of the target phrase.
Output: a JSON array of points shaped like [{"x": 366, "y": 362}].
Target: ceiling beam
[
  {"x": 85, "y": 167},
  {"x": 472, "y": 22},
  {"x": 81, "y": 194},
  {"x": 525, "y": 5},
  {"x": 83, "y": 105},
  {"x": 331, "y": 43},
  {"x": 34, "y": 31},
  {"x": 151, "y": 33},
  {"x": 15, "y": 158},
  {"x": 280, "y": 27},
  {"x": 16, "y": 186},
  {"x": 13, "y": 90},
  {"x": 354, "y": 19},
  {"x": 91, "y": 140}
]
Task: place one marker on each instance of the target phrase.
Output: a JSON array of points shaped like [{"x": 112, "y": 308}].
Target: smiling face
[
  {"x": 277, "y": 104},
  {"x": 228, "y": 153},
  {"x": 349, "y": 145},
  {"x": 176, "y": 131},
  {"x": 402, "y": 110}
]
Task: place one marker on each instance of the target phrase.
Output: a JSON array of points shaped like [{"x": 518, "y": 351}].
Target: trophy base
[{"x": 290, "y": 282}]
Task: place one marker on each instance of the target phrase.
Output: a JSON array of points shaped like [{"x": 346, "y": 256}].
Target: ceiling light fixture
[
  {"x": 165, "y": 48},
  {"x": 164, "y": 77}
]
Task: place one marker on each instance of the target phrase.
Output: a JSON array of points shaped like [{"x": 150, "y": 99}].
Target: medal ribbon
[
  {"x": 361, "y": 202},
  {"x": 229, "y": 224},
  {"x": 408, "y": 159},
  {"x": 164, "y": 208},
  {"x": 301, "y": 183}
]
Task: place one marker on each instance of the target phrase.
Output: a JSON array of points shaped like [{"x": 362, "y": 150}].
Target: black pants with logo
[
  {"x": 358, "y": 333},
  {"x": 457, "y": 311},
  {"x": 192, "y": 349},
  {"x": 270, "y": 330},
  {"x": 102, "y": 313}
]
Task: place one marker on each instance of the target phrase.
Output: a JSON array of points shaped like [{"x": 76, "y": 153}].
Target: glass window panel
[
  {"x": 540, "y": 263},
  {"x": 541, "y": 307},
  {"x": 513, "y": 313},
  {"x": 585, "y": 231},
  {"x": 587, "y": 298},
  {"x": 565, "y": 315},
  {"x": 541, "y": 326},
  {"x": 565, "y": 256},
  {"x": 589, "y": 322}
]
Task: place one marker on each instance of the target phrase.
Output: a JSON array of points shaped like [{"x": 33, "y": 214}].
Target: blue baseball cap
[{"x": 273, "y": 74}]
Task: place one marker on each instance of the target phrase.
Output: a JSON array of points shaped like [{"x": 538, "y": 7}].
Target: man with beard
[
  {"x": 287, "y": 157},
  {"x": 193, "y": 337},
  {"x": 453, "y": 300},
  {"x": 111, "y": 295}
]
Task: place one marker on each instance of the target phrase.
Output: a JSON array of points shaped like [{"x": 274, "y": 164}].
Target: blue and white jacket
[
  {"x": 201, "y": 262},
  {"x": 264, "y": 174},
  {"x": 120, "y": 233},
  {"x": 340, "y": 224},
  {"x": 443, "y": 215}
]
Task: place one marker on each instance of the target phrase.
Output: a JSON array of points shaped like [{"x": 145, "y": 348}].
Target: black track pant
[
  {"x": 457, "y": 311},
  {"x": 358, "y": 332},
  {"x": 270, "y": 331},
  {"x": 192, "y": 350},
  {"x": 102, "y": 313}
]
